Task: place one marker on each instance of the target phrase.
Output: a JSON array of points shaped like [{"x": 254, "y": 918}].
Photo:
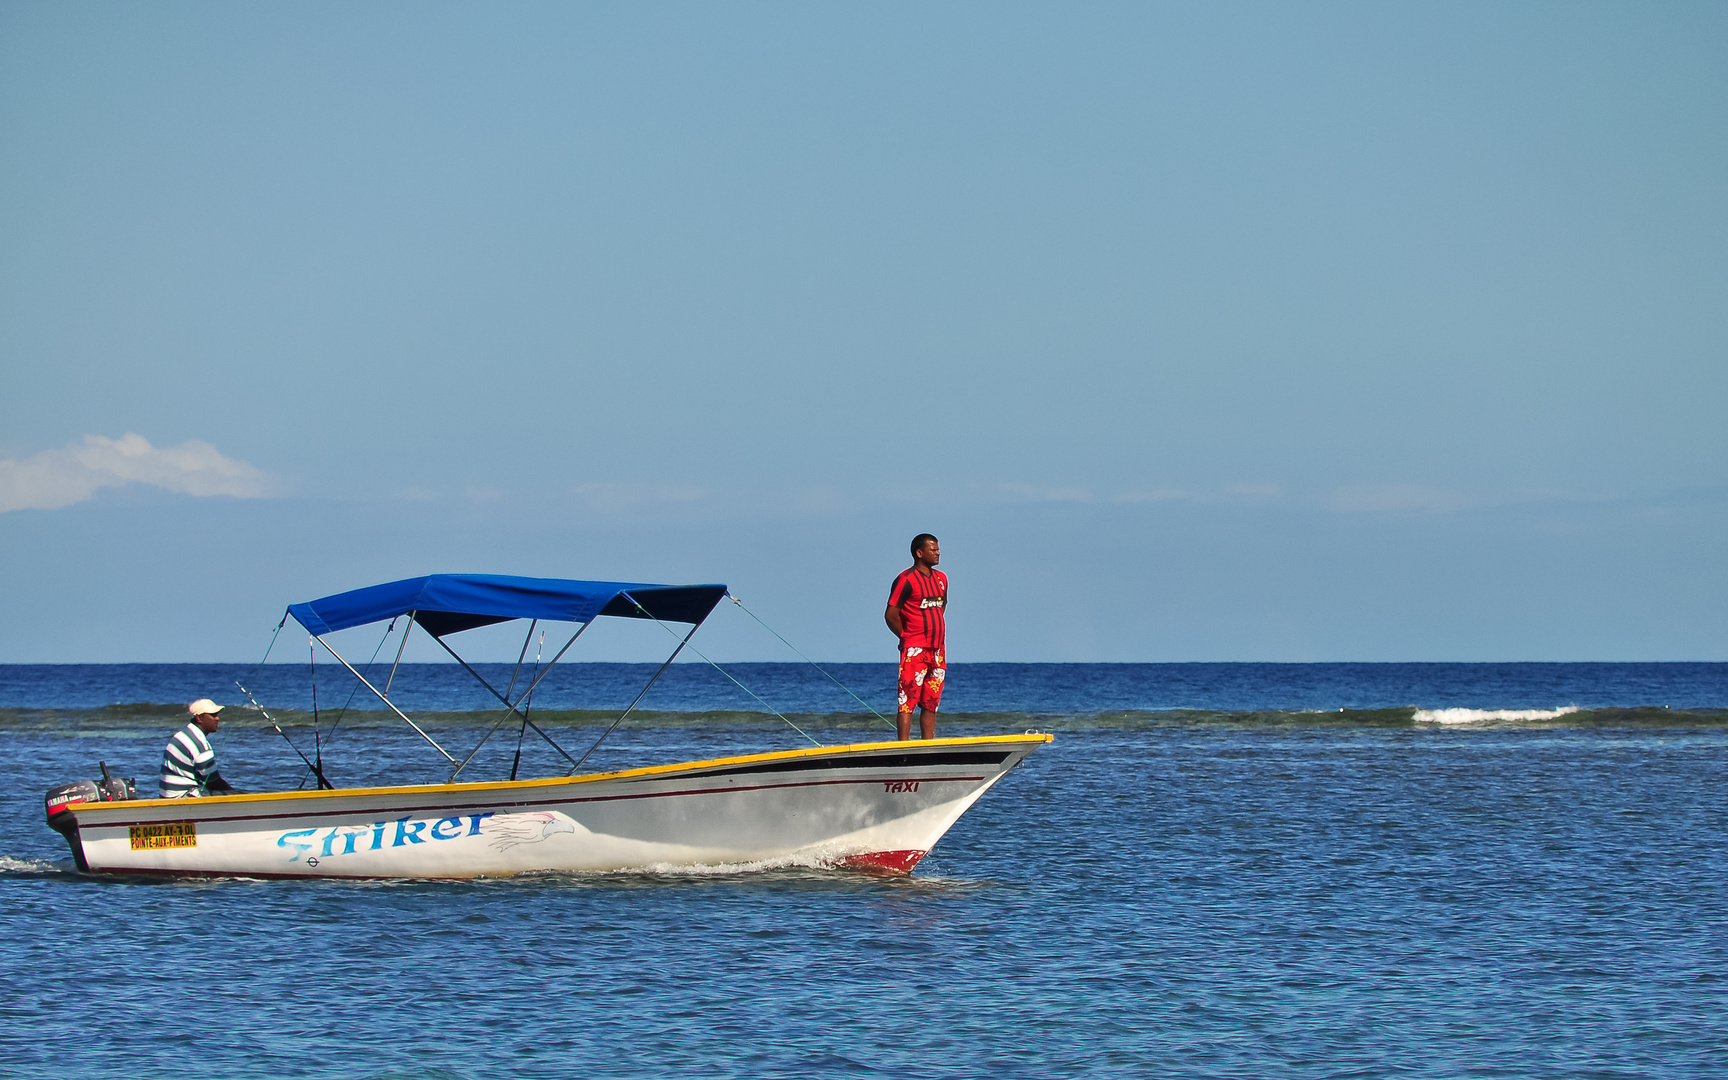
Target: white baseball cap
[{"x": 203, "y": 705}]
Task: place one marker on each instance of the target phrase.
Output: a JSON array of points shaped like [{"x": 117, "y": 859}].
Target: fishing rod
[
  {"x": 317, "y": 769},
  {"x": 539, "y": 650}
]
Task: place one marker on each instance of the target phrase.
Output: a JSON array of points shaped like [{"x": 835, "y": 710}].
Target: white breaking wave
[{"x": 1473, "y": 716}]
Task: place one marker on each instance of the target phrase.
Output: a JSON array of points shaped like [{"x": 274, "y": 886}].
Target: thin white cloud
[
  {"x": 615, "y": 498},
  {"x": 76, "y": 471},
  {"x": 1046, "y": 494},
  {"x": 1256, "y": 492},
  {"x": 817, "y": 500},
  {"x": 1384, "y": 498},
  {"x": 1158, "y": 495}
]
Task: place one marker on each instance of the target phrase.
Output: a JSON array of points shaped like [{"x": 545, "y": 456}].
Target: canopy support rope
[
  {"x": 807, "y": 660},
  {"x": 721, "y": 670},
  {"x": 272, "y": 645}
]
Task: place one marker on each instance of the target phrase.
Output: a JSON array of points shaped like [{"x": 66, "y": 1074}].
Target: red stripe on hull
[{"x": 897, "y": 863}]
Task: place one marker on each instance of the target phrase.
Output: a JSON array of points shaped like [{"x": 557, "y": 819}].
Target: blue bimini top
[{"x": 450, "y": 603}]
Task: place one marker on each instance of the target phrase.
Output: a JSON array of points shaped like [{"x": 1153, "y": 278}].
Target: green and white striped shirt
[{"x": 187, "y": 763}]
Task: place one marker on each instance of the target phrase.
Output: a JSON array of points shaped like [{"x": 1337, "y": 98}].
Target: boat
[{"x": 878, "y": 806}]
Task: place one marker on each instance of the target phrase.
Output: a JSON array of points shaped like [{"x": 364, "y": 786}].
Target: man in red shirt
[{"x": 917, "y": 613}]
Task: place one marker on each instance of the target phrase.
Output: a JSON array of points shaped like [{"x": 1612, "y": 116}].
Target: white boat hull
[{"x": 878, "y": 806}]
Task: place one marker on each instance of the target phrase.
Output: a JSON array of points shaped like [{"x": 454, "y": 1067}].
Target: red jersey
[{"x": 922, "y": 600}]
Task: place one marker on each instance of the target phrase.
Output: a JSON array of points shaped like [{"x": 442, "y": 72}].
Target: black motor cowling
[{"x": 59, "y": 799}]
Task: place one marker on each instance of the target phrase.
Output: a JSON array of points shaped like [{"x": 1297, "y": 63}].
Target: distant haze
[{"x": 1217, "y": 332}]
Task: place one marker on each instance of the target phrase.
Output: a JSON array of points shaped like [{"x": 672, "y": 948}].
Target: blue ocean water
[
  {"x": 1470, "y": 870},
  {"x": 1058, "y": 689}
]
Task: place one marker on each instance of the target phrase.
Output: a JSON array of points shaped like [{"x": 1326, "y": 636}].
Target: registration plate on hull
[{"x": 166, "y": 834}]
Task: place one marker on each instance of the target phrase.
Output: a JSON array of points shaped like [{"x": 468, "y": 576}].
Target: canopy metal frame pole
[
  {"x": 406, "y": 630},
  {"x": 344, "y": 710},
  {"x": 320, "y": 640},
  {"x": 515, "y": 673},
  {"x": 511, "y": 707},
  {"x": 521, "y": 656},
  {"x": 645, "y": 689},
  {"x": 528, "y": 700},
  {"x": 527, "y": 640}
]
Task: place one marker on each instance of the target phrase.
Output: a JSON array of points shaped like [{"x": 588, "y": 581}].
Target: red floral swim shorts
[{"x": 922, "y": 673}]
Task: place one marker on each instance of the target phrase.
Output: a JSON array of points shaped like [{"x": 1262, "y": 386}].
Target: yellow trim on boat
[{"x": 129, "y": 805}]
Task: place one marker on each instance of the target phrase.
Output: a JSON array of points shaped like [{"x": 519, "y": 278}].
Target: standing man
[
  {"x": 918, "y": 615},
  {"x": 189, "y": 761}
]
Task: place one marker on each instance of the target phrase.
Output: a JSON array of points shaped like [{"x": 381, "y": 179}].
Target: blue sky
[{"x": 1216, "y": 332}]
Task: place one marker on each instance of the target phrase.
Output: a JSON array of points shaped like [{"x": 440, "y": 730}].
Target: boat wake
[
  {"x": 756, "y": 866},
  {"x": 33, "y": 867}
]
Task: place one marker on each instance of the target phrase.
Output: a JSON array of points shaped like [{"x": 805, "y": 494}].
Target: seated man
[{"x": 189, "y": 761}]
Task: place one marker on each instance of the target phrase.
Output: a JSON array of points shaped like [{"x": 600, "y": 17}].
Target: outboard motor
[
  {"x": 61, "y": 799},
  {"x": 109, "y": 788},
  {"x": 58, "y": 800}
]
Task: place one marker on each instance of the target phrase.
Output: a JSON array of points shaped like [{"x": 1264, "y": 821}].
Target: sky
[{"x": 1196, "y": 332}]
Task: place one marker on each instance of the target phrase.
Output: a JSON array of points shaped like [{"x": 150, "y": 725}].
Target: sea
[{"x": 1214, "y": 870}]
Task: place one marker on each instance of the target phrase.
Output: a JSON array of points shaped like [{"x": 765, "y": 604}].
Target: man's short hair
[{"x": 919, "y": 541}]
